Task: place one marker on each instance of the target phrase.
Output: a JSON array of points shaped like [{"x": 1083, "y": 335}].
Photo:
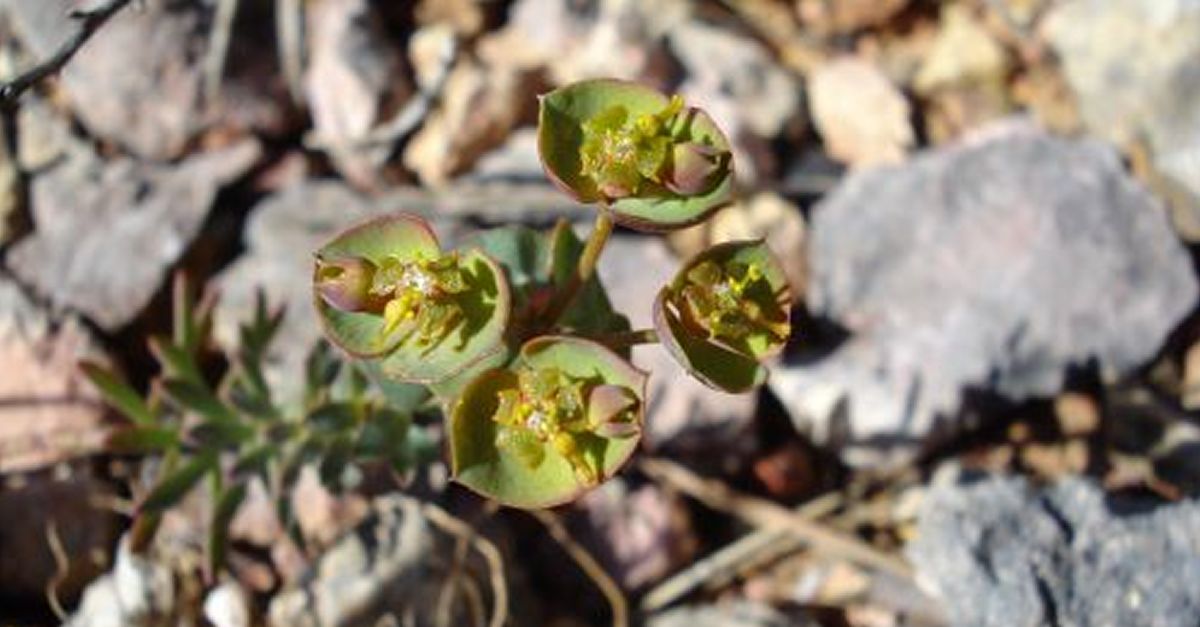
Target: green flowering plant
[
  {"x": 236, "y": 429},
  {"x": 511, "y": 335},
  {"x": 514, "y": 334}
]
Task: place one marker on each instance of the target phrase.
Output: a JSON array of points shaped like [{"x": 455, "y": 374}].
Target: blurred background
[{"x": 988, "y": 210}]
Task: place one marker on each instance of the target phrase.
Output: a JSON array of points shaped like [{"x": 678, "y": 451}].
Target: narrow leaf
[
  {"x": 332, "y": 417},
  {"x": 176, "y": 361},
  {"x": 117, "y": 393},
  {"x": 218, "y": 533},
  {"x": 141, "y": 440},
  {"x": 197, "y": 398},
  {"x": 254, "y": 461},
  {"x": 220, "y": 434},
  {"x": 175, "y": 485}
]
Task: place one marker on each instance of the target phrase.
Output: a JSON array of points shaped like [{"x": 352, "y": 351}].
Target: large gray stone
[
  {"x": 998, "y": 552},
  {"x": 997, "y": 265}
]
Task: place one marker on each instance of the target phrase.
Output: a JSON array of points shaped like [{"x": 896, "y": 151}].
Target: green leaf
[
  {"x": 400, "y": 396},
  {"x": 218, "y": 532},
  {"x": 726, "y": 310},
  {"x": 563, "y": 127},
  {"x": 590, "y": 312},
  {"x": 220, "y": 434},
  {"x": 384, "y": 433},
  {"x": 508, "y": 476},
  {"x": 176, "y": 361},
  {"x": 249, "y": 401},
  {"x": 402, "y": 236},
  {"x": 334, "y": 461},
  {"x": 188, "y": 329},
  {"x": 254, "y": 461},
  {"x": 175, "y": 485},
  {"x": 332, "y": 417},
  {"x": 142, "y": 439},
  {"x": 714, "y": 365},
  {"x": 117, "y": 393},
  {"x": 536, "y": 263},
  {"x": 448, "y": 389},
  {"x": 197, "y": 398}
]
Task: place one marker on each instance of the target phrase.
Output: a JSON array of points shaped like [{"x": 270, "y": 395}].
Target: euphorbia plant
[{"x": 515, "y": 335}]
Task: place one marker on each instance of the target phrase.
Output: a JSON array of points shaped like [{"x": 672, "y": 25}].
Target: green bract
[
  {"x": 726, "y": 310},
  {"x": 565, "y": 416},
  {"x": 657, "y": 164},
  {"x": 539, "y": 263},
  {"x": 385, "y": 290}
]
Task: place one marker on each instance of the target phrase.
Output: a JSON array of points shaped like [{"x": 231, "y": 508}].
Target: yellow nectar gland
[
  {"x": 718, "y": 300},
  {"x": 620, "y": 153},
  {"x": 546, "y": 407},
  {"x": 422, "y": 296}
]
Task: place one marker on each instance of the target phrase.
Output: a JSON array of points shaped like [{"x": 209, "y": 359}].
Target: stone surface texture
[
  {"x": 1132, "y": 65},
  {"x": 995, "y": 265},
  {"x": 1000, "y": 553}
]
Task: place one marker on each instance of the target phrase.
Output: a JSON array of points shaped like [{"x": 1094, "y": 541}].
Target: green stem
[
  {"x": 601, "y": 230},
  {"x": 625, "y": 339}
]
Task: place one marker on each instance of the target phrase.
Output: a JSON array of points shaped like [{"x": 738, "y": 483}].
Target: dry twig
[
  {"x": 218, "y": 49},
  {"x": 588, "y": 564},
  {"x": 464, "y": 532},
  {"x": 289, "y": 32},
  {"x": 719, "y": 568},
  {"x": 62, "y": 566},
  {"x": 89, "y": 20},
  {"x": 769, "y": 515}
]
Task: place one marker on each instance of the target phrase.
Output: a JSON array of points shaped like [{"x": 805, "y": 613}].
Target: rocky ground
[{"x": 989, "y": 211}]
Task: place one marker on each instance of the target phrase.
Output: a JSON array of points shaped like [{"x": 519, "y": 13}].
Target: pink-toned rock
[{"x": 861, "y": 115}]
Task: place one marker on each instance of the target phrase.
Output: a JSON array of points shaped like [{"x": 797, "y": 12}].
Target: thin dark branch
[{"x": 89, "y": 21}]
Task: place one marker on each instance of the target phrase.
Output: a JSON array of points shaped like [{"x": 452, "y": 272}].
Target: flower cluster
[
  {"x": 540, "y": 398},
  {"x": 422, "y": 296}
]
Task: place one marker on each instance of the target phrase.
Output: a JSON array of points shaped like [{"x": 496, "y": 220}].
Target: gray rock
[
  {"x": 1132, "y": 65},
  {"x": 138, "y": 591},
  {"x": 640, "y": 535},
  {"x": 391, "y": 564},
  {"x": 997, "y": 265},
  {"x": 354, "y": 73},
  {"x": 998, "y": 552},
  {"x": 737, "y": 81},
  {"x": 106, "y": 231},
  {"x": 137, "y": 81}
]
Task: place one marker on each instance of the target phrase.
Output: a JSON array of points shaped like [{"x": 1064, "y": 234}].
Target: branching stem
[
  {"x": 601, "y": 231},
  {"x": 90, "y": 21}
]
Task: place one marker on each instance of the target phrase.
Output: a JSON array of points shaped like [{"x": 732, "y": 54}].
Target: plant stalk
[
  {"x": 625, "y": 339},
  {"x": 601, "y": 231}
]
